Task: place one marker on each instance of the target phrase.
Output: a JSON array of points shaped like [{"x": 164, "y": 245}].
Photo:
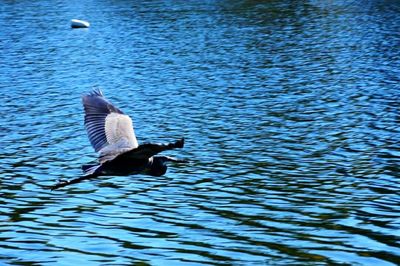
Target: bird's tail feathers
[{"x": 90, "y": 169}]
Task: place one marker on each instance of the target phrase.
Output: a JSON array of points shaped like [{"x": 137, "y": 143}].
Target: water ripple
[{"x": 289, "y": 111}]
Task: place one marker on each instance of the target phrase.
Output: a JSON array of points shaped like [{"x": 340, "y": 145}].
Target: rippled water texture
[{"x": 290, "y": 110}]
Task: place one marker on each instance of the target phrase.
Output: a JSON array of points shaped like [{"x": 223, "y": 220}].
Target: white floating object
[{"x": 76, "y": 23}]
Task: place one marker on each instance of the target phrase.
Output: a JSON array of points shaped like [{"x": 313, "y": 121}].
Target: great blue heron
[{"x": 111, "y": 134}]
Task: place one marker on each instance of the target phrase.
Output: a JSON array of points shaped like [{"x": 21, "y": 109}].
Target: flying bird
[{"x": 111, "y": 134}]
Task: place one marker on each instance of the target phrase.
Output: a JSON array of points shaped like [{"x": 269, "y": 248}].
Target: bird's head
[{"x": 157, "y": 166}]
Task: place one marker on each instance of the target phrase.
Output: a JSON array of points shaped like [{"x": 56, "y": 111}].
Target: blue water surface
[{"x": 290, "y": 110}]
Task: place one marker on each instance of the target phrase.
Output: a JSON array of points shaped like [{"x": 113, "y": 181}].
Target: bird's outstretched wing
[
  {"x": 147, "y": 150},
  {"x": 110, "y": 131}
]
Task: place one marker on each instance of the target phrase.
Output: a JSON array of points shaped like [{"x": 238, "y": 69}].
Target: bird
[{"x": 111, "y": 133}]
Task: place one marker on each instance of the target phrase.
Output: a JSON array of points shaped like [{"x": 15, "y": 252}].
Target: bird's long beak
[{"x": 172, "y": 159}]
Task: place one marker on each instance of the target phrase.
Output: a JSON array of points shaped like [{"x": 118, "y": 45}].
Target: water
[{"x": 289, "y": 109}]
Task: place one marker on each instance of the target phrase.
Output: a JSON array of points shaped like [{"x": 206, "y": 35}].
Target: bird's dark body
[
  {"x": 111, "y": 134},
  {"x": 123, "y": 165},
  {"x": 136, "y": 161}
]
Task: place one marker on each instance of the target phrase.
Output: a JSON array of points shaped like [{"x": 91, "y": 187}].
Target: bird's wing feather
[
  {"x": 147, "y": 150},
  {"x": 108, "y": 128},
  {"x": 112, "y": 151}
]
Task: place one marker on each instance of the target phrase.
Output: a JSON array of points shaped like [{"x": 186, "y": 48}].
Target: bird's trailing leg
[{"x": 65, "y": 183}]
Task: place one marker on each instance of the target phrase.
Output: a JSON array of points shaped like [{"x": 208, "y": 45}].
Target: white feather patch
[{"x": 118, "y": 127}]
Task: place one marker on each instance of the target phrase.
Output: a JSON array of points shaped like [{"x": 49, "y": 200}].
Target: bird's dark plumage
[
  {"x": 106, "y": 125},
  {"x": 111, "y": 134}
]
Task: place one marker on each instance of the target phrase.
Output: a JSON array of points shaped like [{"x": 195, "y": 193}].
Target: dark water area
[{"x": 290, "y": 110}]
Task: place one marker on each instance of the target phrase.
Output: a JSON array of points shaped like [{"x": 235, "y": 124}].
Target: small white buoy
[{"x": 76, "y": 23}]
